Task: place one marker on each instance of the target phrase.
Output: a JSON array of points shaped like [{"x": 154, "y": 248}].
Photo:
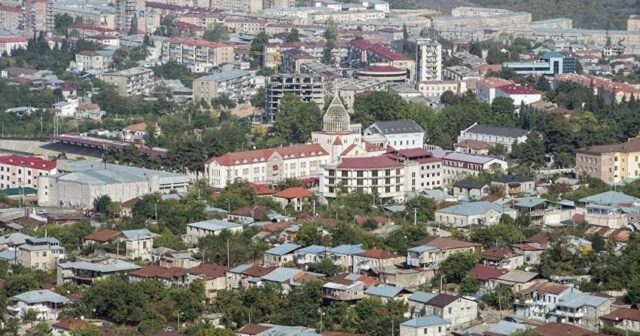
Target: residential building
[
  {"x": 375, "y": 260},
  {"x": 46, "y": 304},
  {"x": 86, "y": 273},
  {"x": 474, "y": 147},
  {"x": 581, "y": 309},
  {"x": 610, "y": 163},
  {"x": 310, "y": 255},
  {"x": 138, "y": 243},
  {"x": 10, "y": 43},
  {"x": 455, "y": 309},
  {"x": 307, "y": 87},
  {"x": 294, "y": 197},
  {"x": 432, "y": 251},
  {"x": 473, "y": 213},
  {"x": 126, "y": 11},
  {"x": 102, "y": 237},
  {"x": 269, "y": 166},
  {"x": 41, "y": 253},
  {"x": 94, "y": 60},
  {"x": 487, "y": 276},
  {"x": 211, "y": 276},
  {"x": 502, "y": 257},
  {"x": 343, "y": 255},
  {"x": 243, "y": 6},
  {"x": 470, "y": 189},
  {"x": 425, "y": 326},
  {"x": 167, "y": 257},
  {"x": 520, "y": 94},
  {"x": 197, "y": 55},
  {"x": 515, "y": 184},
  {"x": 461, "y": 165},
  {"x": 633, "y": 23},
  {"x": 131, "y": 82},
  {"x": 609, "y": 90},
  {"x": 293, "y": 59},
  {"x": 428, "y": 61},
  {"x": 518, "y": 280},
  {"x": 623, "y": 318},
  {"x": 540, "y": 299},
  {"x": 494, "y": 135},
  {"x": 384, "y": 292},
  {"x": 235, "y": 84},
  {"x": 380, "y": 175},
  {"x": 422, "y": 170},
  {"x": 243, "y": 275},
  {"x": 281, "y": 255},
  {"x": 79, "y": 183},
  {"x": 486, "y": 88},
  {"x": 37, "y": 16},
  {"x": 343, "y": 289},
  {"x": 363, "y": 53},
  {"x": 211, "y": 227},
  {"x": 18, "y": 171},
  {"x": 174, "y": 276},
  {"x": 435, "y": 89},
  {"x": 10, "y": 17},
  {"x": 551, "y": 63},
  {"x": 399, "y": 134},
  {"x": 387, "y": 73},
  {"x": 461, "y": 73}
]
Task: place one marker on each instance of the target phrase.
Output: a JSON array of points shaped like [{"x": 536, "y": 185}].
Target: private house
[
  {"x": 515, "y": 184},
  {"x": 375, "y": 260},
  {"x": 343, "y": 255},
  {"x": 581, "y": 309},
  {"x": 244, "y": 275},
  {"x": 103, "y": 237},
  {"x": 606, "y": 209},
  {"x": 434, "y": 250},
  {"x": 487, "y": 276},
  {"x": 280, "y": 255},
  {"x": 86, "y": 273},
  {"x": 502, "y": 257},
  {"x": 418, "y": 303},
  {"x": 473, "y": 213},
  {"x": 41, "y": 253},
  {"x": 212, "y": 276},
  {"x": 455, "y": 309},
  {"x": 532, "y": 252},
  {"x": 310, "y": 254},
  {"x": 249, "y": 214},
  {"x": 349, "y": 291},
  {"x": 540, "y": 299},
  {"x": 385, "y": 292},
  {"x": 167, "y": 276},
  {"x": 470, "y": 189},
  {"x": 623, "y": 318},
  {"x": 213, "y": 227},
  {"x": 517, "y": 279},
  {"x": 139, "y": 243},
  {"x": 45, "y": 303},
  {"x": 166, "y": 257},
  {"x": 425, "y": 326},
  {"x": 292, "y": 197},
  {"x": 284, "y": 277}
]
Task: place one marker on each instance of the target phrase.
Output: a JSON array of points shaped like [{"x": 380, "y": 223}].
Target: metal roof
[
  {"x": 422, "y": 249},
  {"x": 281, "y": 274},
  {"x": 421, "y": 297},
  {"x": 576, "y": 300},
  {"x": 395, "y": 127},
  {"x": 425, "y": 321},
  {"x": 214, "y": 225},
  {"x": 384, "y": 291},
  {"x": 474, "y": 208},
  {"x": 495, "y": 130},
  {"x": 610, "y": 198},
  {"x": 506, "y": 328},
  {"x": 106, "y": 267},
  {"x": 283, "y": 249},
  {"x": 225, "y": 75},
  {"x": 17, "y": 238},
  {"x": 138, "y": 234},
  {"x": 40, "y": 296},
  {"x": 312, "y": 249},
  {"x": 347, "y": 249}
]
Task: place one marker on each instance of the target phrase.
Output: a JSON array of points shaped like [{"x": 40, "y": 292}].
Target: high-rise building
[
  {"x": 428, "y": 61},
  {"x": 37, "y": 15},
  {"x": 126, "y": 10},
  {"x": 307, "y": 87}
]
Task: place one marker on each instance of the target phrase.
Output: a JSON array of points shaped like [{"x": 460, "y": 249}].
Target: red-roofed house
[
  {"x": 375, "y": 260},
  {"x": 292, "y": 197},
  {"x": 502, "y": 257},
  {"x": 521, "y": 94},
  {"x": 168, "y": 276},
  {"x": 623, "y": 318},
  {"x": 487, "y": 275},
  {"x": 197, "y": 55},
  {"x": 266, "y": 165},
  {"x": 387, "y": 73},
  {"x": 10, "y": 43},
  {"x": 366, "y": 53},
  {"x": 18, "y": 171},
  {"x": 212, "y": 276}
]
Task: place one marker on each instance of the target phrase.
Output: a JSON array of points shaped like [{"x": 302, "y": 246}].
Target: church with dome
[{"x": 339, "y": 137}]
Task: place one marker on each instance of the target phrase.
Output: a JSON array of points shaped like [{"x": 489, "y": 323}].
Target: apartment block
[
  {"x": 94, "y": 60},
  {"x": 610, "y": 163},
  {"x": 125, "y": 11},
  {"x": 10, "y": 17},
  {"x": 131, "y": 82},
  {"x": 37, "y": 16},
  {"x": 197, "y": 55},
  {"x": 307, "y": 87},
  {"x": 235, "y": 84},
  {"x": 363, "y": 53},
  {"x": 428, "y": 60},
  {"x": 245, "y": 6},
  {"x": 18, "y": 171}
]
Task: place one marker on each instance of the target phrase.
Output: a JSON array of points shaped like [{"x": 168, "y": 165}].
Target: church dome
[{"x": 336, "y": 118}]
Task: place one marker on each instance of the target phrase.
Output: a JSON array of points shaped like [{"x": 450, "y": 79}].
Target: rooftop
[
  {"x": 225, "y": 75},
  {"x": 498, "y": 131},
  {"x": 40, "y": 296},
  {"x": 474, "y": 208},
  {"x": 214, "y": 225},
  {"x": 33, "y": 162},
  {"x": 376, "y": 162},
  {"x": 425, "y": 321},
  {"x": 283, "y": 249},
  {"x": 385, "y": 291},
  {"x": 395, "y": 127}
]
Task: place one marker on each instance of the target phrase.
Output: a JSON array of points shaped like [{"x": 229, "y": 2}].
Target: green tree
[
  {"x": 133, "y": 27},
  {"x": 257, "y": 48},
  {"x": 457, "y": 265},
  {"x": 530, "y": 152},
  {"x": 296, "y": 119},
  {"x": 449, "y": 98},
  {"x": 62, "y": 23},
  {"x": 598, "y": 243},
  {"x": 20, "y": 283},
  {"x": 330, "y": 37},
  {"x": 378, "y": 106},
  {"x": 325, "y": 266},
  {"x": 469, "y": 285},
  {"x": 42, "y": 329},
  {"x": 257, "y": 100},
  {"x": 293, "y": 36},
  {"x": 500, "y": 298},
  {"x": 424, "y": 208},
  {"x": 101, "y": 203},
  {"x": 216, "y": 33}
]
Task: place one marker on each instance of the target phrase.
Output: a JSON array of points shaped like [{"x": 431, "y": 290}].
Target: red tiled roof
[
  {"x": 199, "y": 43},
  {"x": 155, "y": 271},
  {"x": 498, "y": 252},
  {"x": 517, "y": 89},
  {"x": 209, "y": 270},
  {"x": 14, "y": 39},
  {"x": 262, "y": 155},
  {"x": 387, "y": 69},
  {"x": 253, "y": 211},
  {"x": 84, "y": 26},
  {"x": 623, "y": 314},
  {"x": 378, "y": 162},
  {"x": 295, "y": 192},
  {"x": 378, "y": 254},
  {"x": 139, "y": 127},
  {"x": 262, "y": 189},
  {"x": 544, "y": 286},
  {"x": 474, "y": 144},
  {"x": 494, "y": 82},
  {"x": 253, "y": 329},
  {"x": 445, "y": 243},
  {"x": 187, "y": 26},
  {"x": 561, "y": 329},
  {"x": 27, "y": 162},
  {"x": 103, "y": 236},
  {"x": 484, "y": 273},
  {"x": 388, "y": 53},
  {"x": 257, "y": 271}
]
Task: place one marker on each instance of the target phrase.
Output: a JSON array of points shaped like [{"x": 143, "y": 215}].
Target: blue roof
[
  {"x": 506, "y": 328},
  {"x": 281, "y": 274},
  {"x": 312, "y": 249},
  {"x": 278, "y": 330},
  {"x": 347, "y": 249},
  {"x": 214, "y": 225},
  {"x": 283, "y": 249},
  {"x": 530, "y": 202},
  {"x": 14, "y": 239},
  {"x": 138, "y": 234},
  {"x": 384, "y": 291},
  {"x": 422, "y": 249},
  {"x": 40, "y": 296},
  {"x": 240, "y": 268},
  {"x": 8, "y": 255},
  {"x": 425, "y": 321},
  {"x": 576, "y": 300},
  {"x": 474, "y": 208},
  {"x": 610, "y": 198},
  {"x": 421, "y": 297}
]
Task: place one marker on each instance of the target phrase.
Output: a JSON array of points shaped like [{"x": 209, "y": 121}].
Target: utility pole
[
  {"x": 415, "y": 216},
  {"x": 228, "y": 255}
]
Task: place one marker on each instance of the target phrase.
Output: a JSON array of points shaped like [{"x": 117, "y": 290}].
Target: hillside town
[{"x": 317, "y": 167}]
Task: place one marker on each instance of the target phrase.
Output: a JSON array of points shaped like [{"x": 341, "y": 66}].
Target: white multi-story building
[
  {"x": 235, "y": 84},
  {"x": 486, "y": 89},
  {"x": 131, "y": 82},
  {"x": 457, "y": 165},
  {"x": 197, "y": 55},
  {"x": 94, "y": 60},
  {"x": 428, "y": 61},
  {"x": 437, "y": 88},
  {"x": 494, "y": 135},
  {"x": 23, "y": 171},
  {"x": 266, "y": 165},
  {"x": 45, "y": 303},
  {"x": 398, "y": 134},
  {"x": 422, "y": 170},
  {"x": 10, "y": 43},
  {"x": 520, "y": 94}
]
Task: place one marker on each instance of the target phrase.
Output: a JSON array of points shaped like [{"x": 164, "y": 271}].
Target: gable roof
[
  {"x": 281, "y": 274},
  {"x": 347, "y": 249},
  {"x": 425, "y": 321},
  {"x": 442, "y": 300},
  {"x": 295, "y": 192},
  {"x": 495, "y": 130},
  {"x": 103, "y": 236},
  {"x": 555, "y": 329},
  {"x": 484, "y": 273},
  {"x": 623, "y": 314},
  {"x": 383, "y": 290},
  {"x": 498, "y": 253},
  {"x": 209, "y": 270},
  {"x": 378, "y": 254},
  {"x": 376, "y": 162},
  {"x": 474, "y": 208},
  {"x": 283, "y": 249},
  {"x": 262, "y": 155},
  {"x": 468, "y": 184},
  {"x": 395, "y": 127}
]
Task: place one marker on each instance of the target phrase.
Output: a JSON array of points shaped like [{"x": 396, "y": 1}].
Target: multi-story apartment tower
[{"x": 428, "y": 61}]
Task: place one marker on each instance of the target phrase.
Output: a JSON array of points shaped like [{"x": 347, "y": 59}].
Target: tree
[
  {"x": 424, "y": 208},
  {"x": 216, "y": 33},
  {"x": 500, "y": 298},
  {"x": 62, "y": 23},
  {"x": 113, "y": 209},
  {"x": 457, "y": 265},
  {"x": 296, "y": 119},
  {"x": 330, "y": 37},
  {"x": 257, "y": 48},
  {"x": 542, "y": 84},
  {"x": 20, "y": 283},
  {"x": 449, "y": 98},
  {"x": 257, "y": 100},
  {"x": 133, "y": 27},
  {"x": 598, "y": 243},
  {"x": 293, "y": 36},
  {"x": 325, "y": 266},
  {"x": 530, "y": 152},
  {"x": 42, "y": 329},
  {"x": 469, "y": 285},
  {"x": 101, "y": 203}
]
